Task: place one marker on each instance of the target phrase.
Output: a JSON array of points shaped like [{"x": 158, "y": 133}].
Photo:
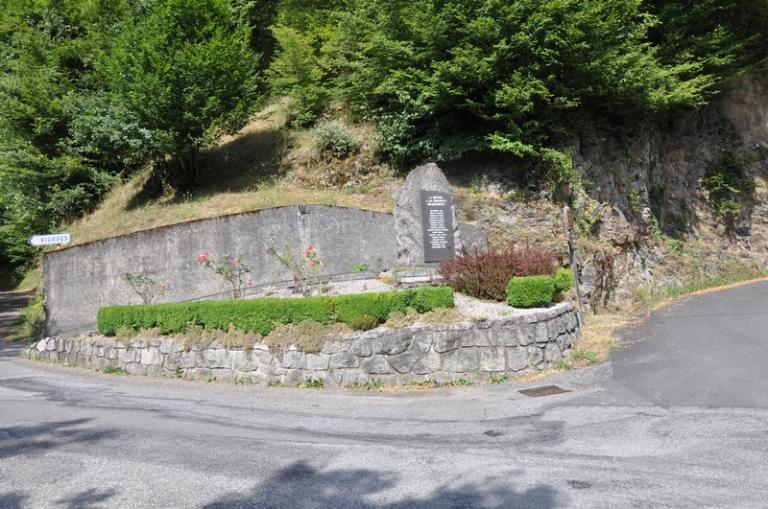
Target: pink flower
[
  {"x": 308, "y": 250},
  {"x": 202, "y": 257}
]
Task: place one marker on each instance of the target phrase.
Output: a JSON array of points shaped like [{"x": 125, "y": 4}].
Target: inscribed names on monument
[{"x": 437, "y": 225}]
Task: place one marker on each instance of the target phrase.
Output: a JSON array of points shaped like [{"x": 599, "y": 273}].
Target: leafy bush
[
  {"x": 485, "y": 274},
  {"x": 427, "y": 299},
  {"x": 334, "y": 140},
  {"x": 726, "y": 181},
  {"x": 563, "y": 279},
  {"x": 257, "y": 315},
  {"x": 380, "y": 305},
  {"x": 261, "y": 315},
  {"x": 531, "y": 291}
]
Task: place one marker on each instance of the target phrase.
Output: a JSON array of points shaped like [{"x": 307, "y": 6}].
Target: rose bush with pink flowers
[
  {"x": 231, "y": 269},
  {"x": 305, "y": 268},
  {"x": 146, "y": 287}
]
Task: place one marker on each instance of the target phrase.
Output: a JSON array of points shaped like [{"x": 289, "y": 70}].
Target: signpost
[
  {"x": 571, "y": 238},
  {"x": 49, "y": 239}
]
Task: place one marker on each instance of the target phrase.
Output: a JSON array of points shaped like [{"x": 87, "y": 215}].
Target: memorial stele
[{"x": 425, "y": 218}]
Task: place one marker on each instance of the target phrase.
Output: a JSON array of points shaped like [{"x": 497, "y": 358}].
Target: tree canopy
[{"x": 92, "y": 90}]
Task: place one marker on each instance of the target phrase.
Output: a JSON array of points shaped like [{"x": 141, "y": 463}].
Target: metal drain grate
[{"x": 544, "y": 390}]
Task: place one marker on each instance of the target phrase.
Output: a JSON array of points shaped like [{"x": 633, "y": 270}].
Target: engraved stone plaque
[{"x": 437, "y": 225}]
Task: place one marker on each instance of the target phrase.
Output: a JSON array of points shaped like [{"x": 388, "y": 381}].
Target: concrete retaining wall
[
  {"x": 467, "y": 350},
  {"x": 81, "y": 279}
]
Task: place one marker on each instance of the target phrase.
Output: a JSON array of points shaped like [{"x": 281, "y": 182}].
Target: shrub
[
  {"x": 563, "y": 279},
  {"x": 380, "y": 305},
  {"x": 261, "y": 315},
  {"x": 485, "y": 274},
  {"x": 728, "y": 180},
  {"x": 257, "y": 315},
  {"x": 334, "y": 140},
  {"x": 146, "y": 287},
  {"x": 305, "y": 267},
  {"x": 231, "y": 269},
  {"x": 427, "y": 299},
  {"x": 531, "y": 291}
]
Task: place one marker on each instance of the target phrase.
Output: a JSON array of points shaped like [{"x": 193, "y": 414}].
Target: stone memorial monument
[{"x": 425, "y": 218}]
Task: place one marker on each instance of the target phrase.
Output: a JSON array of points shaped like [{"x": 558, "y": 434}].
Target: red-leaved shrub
[{"x": 485, "y": 274}]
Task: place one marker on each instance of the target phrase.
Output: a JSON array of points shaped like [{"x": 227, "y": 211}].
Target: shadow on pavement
[
  {"x": 301, "y": 486},
  {"x": 12, "y": 500},
  {"x": 10, "y": 302},
  {"x": 11, "y": 349},
  {"x": 88, "y": 499},
  {"x": 38, "y": 438}
]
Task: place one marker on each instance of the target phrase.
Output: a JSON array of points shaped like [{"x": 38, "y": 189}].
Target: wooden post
[{"x": 571, "y": 238}]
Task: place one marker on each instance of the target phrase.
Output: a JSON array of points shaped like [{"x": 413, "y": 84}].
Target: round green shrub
[
  {"x": 531, "y": 291},
  {"x": 563, "y": 279}
]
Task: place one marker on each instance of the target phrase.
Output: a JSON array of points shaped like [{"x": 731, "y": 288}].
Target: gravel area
[
  {"x": 476, "y": 309},
  {"x": 469, "y": 307}
]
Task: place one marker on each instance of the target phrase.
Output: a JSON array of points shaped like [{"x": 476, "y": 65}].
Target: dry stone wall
[{"x": 524, "y": 343}]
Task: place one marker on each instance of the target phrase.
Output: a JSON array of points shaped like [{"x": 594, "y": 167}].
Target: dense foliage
[
  {"x": 485, "y": 274},
  {"x": 531, "y": 291},
  {"x": 443, "y": 78},
  {"x": 91, "y": 90},
  {"x": 261, "y": 315}
]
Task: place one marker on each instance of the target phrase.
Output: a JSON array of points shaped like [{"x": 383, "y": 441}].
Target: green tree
[
  {"x": 188, "y": 73},
  {"x": 48, "y": 48},
  {"x": 724, "y": 37},
  {"x": 447, "y": 77}
]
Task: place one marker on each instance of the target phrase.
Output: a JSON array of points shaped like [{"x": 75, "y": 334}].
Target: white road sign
[{"x": 47, "y": 240}]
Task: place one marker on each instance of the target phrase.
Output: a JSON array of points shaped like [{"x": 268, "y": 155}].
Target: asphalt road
[{"x": 677, "y": 418}]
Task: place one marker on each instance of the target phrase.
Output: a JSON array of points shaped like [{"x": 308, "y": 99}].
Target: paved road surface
[{"x": 678, "y": 418}]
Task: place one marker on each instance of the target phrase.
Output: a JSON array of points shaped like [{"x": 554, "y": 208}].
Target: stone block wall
[{"x": 523, "y": 343}]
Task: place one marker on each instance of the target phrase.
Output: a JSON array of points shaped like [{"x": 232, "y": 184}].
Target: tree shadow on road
[
  {"x": 300, "y": 486},
  {"x": 12, "y": 500},
  {"x": 88, "y": 499},
  {"x": 39, "y": 438}
]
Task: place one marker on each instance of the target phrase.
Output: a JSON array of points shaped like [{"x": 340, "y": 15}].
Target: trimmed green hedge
[
  {"x": 531, "y": 291},
  {"x": 261, "y": 315}
]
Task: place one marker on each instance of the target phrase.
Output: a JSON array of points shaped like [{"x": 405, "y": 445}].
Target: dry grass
[
  {"x": 308, "y": 336},
  {"x": 598, "y": 338},
  {"x": 245, "y": 172},
  {"x": 398, "y": 320}
]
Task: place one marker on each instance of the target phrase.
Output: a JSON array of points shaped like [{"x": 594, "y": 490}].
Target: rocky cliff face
[{"x": 646, "y": 217}]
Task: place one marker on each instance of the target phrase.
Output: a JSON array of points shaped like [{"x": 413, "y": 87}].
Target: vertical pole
[{"x": 571, "y": 238}]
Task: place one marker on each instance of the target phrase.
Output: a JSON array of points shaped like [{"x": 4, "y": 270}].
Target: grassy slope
[{"x": 243, "y": 173}]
